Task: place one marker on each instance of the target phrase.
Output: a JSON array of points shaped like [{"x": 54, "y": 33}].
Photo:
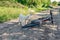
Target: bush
[
  {"x": 35, "y": 2},
  {"x": 54, "y": 3},
  {"x": 58, "y": 3}
]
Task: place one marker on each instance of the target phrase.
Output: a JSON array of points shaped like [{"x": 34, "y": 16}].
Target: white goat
[{"x": 23, "y": 18}]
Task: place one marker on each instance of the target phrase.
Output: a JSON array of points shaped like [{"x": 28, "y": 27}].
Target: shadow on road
[{"x": 44, "y": 32}]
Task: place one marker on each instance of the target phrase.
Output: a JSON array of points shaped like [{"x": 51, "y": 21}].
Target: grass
[
  {"x": 8, "y": 13},
  {"x": 38, "y": 9},
  {"x": 11, "y": 9}
]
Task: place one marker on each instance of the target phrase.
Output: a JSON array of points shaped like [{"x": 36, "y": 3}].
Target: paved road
[{"x": 44, "y": 32}]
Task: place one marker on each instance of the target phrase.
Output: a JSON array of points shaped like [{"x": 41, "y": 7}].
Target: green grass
[
  {"x": 10, "y": 9},
  {"x": 7, "y": 13},
  {"x": 38, "y": 9}
]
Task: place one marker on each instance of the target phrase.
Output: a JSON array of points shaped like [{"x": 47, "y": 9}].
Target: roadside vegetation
[
  {"x": 8, "y": 13},
  {"x": 10, "y": 9}
]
